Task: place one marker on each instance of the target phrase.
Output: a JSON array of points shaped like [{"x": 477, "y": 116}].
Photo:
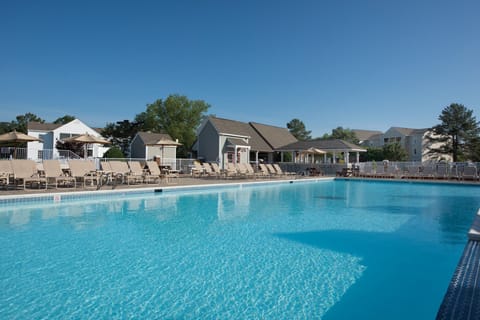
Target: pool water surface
[{"x": 330, "y": 250}]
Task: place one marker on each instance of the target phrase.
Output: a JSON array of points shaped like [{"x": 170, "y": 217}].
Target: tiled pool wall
[{"x": 94, "y": 194}]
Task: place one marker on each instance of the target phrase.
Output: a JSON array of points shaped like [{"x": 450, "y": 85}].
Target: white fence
[{"x": 46, "y": 154}]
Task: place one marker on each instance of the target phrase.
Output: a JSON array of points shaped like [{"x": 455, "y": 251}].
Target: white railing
[{"x": 45, "y": 154}]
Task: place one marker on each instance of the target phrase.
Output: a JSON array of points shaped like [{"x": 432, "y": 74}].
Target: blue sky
[{"x": 356, "y": 64}]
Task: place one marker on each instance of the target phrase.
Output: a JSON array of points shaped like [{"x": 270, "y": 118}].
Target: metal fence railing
[{"x": 44, "y": 154}]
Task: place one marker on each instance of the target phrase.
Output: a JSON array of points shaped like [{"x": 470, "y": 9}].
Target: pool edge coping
[{"x": 168, "y": 188}]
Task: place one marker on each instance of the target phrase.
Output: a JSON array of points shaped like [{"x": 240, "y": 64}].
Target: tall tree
[
  {"x": 178, "y": 116},
  {"x": 298, "y": 130},
  {"x": 65, "y": 119},
  {"x": 342, "y": 134},
  {"x": 372, "y": 154},
  {"x": 457, "y": 134},
  {"x": 21, "y": 123},
  {"x": 121, "y": 134}
]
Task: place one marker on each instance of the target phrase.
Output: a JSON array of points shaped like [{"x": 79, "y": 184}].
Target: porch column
[
  {"x": 334, "y": 160},
  {"x": 325, "y": 158},
  {"x": 358, "y": 157},
  {"x": 346, "y": 155}
]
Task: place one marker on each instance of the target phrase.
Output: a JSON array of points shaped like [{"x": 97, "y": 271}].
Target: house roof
[
  {"x": 237, "y": 142},
  {"x": 274, "y": 136},
  {"x": 39, "y": 126},
  {"x": 326, "y": 145},
  {"x": 408, "y": 131},
  {"x": 232, "y": 127},
  {"x": 150, "y": 138},
  {"x": 363, "y": 135}
]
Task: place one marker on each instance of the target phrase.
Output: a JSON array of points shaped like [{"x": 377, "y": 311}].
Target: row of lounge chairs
[
  {"x": 438, "y": 171},
  {"x": 239, "y": 170},
  {"x": 25, "y": 173}
]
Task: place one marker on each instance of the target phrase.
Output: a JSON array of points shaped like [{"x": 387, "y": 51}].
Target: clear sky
[{"x": 357, "y": 64}]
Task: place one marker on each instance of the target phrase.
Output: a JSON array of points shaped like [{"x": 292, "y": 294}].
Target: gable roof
[
  {"x": 39, "y": 126},
  {"x": 149, "y": 138},
  {"x": 363, "y": 135},
  {"x": 274, "y": 136},
  {"x": 233, "y": 127},
  {"x": 408, "y": 131},
  {"x": 226, "y": 126}
]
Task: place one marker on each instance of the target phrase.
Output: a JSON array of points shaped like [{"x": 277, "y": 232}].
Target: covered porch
[{"x": 323, "y": 151}]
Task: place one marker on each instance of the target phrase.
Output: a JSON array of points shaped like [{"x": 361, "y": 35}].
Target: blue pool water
[{"x": 330, "y": 250}]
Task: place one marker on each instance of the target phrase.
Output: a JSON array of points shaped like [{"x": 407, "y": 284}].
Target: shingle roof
[
  {"x": 274, "y": 136},
  {"x": 409, "y": 131},
  {"x": 327, "y": 145},
  {"x": 226, "y": 126},
  {"x": 237, "y": 142},
  {"x": 152, "y": 138},
  {"x": 32, "y": 125},
  {"x": 363, "y": 135}
]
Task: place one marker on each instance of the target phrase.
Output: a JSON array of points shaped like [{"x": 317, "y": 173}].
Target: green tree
[
  {"x": 65, "y": 119},
  {"x": 342, "y": 134},
  {"x": 457, "y": 134},
  {"x": 372, "y": 154},
  {"x": 5, "y": 127},
  {"x": 394, "y": 152},
  {"x": 178, "y": 116},
  {"x": 121, "y": 134},
  {"x": 114, "y": 153},
  {"x": 298, "y": 130},
  {"x": 21, "y": 123}
]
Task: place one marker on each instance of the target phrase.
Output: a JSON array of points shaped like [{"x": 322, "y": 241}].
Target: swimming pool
[{"x": 330, "y": 250}]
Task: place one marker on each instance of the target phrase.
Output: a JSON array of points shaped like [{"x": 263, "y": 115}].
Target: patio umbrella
[
  {"x": 313, "y": 151},
  {"x": 16, "y": 138},
  {"x": 86, "y": 139}
]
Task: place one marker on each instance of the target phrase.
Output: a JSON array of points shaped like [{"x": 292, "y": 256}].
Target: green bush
[{"x": 114, "y": 153}]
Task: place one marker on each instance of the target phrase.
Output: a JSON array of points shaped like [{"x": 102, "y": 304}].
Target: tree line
[
  {"x": 176, "y": 115},
  {"x": 457, "y": 134}
]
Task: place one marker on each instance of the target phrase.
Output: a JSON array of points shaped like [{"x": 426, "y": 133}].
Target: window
[{"x": 230, "y": 157}]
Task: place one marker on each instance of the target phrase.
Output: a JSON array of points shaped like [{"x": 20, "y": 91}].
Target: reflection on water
[
  {"x": 304, "y": 250},
  {"x": 441, "y": 211},
  {"x": 233, "y": 204}
]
